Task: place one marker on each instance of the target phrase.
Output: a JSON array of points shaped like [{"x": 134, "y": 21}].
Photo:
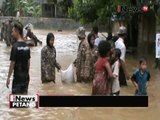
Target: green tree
[
  {"x": 64, "y": 5},
  {"x": 27, "y": 7},
  {"x": 8, "y": 8},
  {"x": 95, "y": 11}
]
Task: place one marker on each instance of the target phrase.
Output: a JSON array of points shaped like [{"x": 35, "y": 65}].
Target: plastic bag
[
  {"x": 29, "y": 25},
  {"x": 67, "y": 76}
]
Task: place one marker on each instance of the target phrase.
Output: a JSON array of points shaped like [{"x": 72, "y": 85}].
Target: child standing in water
[
  {"x": 141, "y": 77},
  {"x": 115, "y": 86},
  {"x": 103, "y": 71}
]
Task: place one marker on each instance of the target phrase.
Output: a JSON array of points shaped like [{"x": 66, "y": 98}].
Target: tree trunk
[
  {"x": 55, "y": 10},
  {"x": 146, "y": 35}
]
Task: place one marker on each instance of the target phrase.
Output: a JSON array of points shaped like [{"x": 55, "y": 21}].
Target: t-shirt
[
  {"x": 100, "y": 64},
  {"x": 20, "y": 54},
  {"x": 120, "y": 44},
  {"x": 97, "y": 41},
  {"x": 141, "y": 80},
  {"x": 115, "y": 83},
  {"x": 24, "y": 32}
]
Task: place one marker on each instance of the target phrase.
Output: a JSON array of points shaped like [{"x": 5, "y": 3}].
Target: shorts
[
  {"x": 138, "y": 93},
  {"x": 20, "y": 88}
]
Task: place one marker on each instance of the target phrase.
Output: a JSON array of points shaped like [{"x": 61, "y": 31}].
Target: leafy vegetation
[
  {"x": 64, "y": 5},
  {"x": 101, "y": 11},
  {"x": 26, "y": 7},
  {"x": 94, "y": 11}
]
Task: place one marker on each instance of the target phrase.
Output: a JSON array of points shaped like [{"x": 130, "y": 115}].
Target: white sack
[
  {"x": 29, "y": 25},
  {"x": 67, "y": 76}
]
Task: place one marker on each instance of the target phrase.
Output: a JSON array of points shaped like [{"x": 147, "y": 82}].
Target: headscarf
[{"x": 49, "y": 36}]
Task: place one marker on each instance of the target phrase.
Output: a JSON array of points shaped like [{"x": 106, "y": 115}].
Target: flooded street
[{"x": 66, "y": 45}]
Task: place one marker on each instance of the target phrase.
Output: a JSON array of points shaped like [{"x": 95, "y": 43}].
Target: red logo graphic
[{"x": 145, "y": 8}]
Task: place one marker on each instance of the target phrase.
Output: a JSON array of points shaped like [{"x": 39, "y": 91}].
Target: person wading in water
[{"x": 20, "y": 62}]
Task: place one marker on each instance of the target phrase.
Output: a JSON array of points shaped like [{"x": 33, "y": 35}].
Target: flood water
[{"x": 66, "y": 45}]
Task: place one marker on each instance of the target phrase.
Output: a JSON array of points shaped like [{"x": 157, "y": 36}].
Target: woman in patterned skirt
[{"x": 103, "y": 72}]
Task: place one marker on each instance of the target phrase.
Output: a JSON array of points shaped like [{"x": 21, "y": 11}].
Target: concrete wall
[
  {"x": 47, "y": 23},
  {"x": 53, "y": 23}
]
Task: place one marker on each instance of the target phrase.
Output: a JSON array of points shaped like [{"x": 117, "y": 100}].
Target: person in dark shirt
[
  {"x": 33, "y": 37},
  {"x": 141, "y": 77},
  {"x": 20, "y": 62}
]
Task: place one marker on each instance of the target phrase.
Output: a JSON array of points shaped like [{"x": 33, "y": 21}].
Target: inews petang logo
[
  {"x": 131, "y": 9},
  {"x": 23, "y": 101}
]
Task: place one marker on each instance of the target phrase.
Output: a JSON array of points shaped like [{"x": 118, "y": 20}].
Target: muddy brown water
[{"x": 66, "y": 45}]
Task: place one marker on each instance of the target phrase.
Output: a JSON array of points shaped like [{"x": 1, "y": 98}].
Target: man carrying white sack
[{"x": 82, "y": 63}]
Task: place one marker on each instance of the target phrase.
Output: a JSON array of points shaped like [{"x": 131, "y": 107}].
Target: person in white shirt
[
  {"x": 123, "y": 74},
  {"x": 120, "y": 42},
  {"x": 97, "y": 39},
  {"x": 18, "y": 14},
  {"x": 115, "y": 85}
]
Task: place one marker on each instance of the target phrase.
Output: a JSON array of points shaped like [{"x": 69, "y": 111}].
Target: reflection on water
[{"x": 66, "y": 45}]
